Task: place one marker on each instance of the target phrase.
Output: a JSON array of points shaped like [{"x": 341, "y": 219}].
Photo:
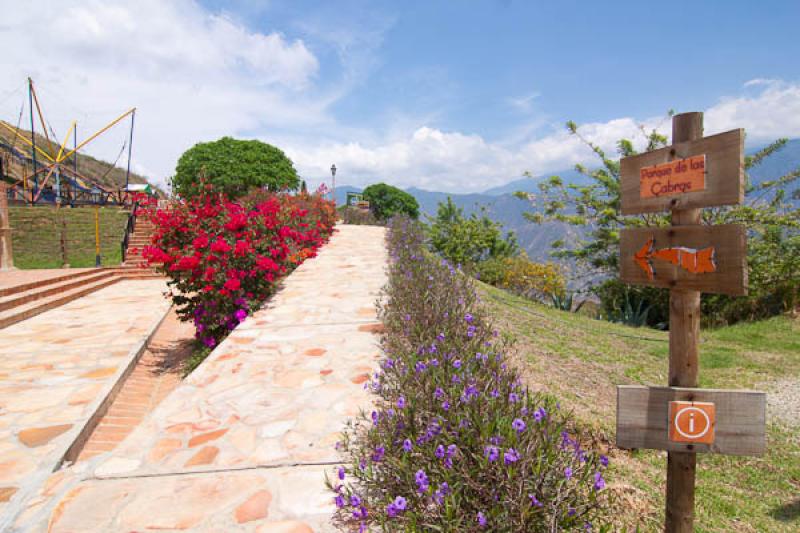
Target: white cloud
[
  {"x": 523, "y": 103},
  {"x": 454, "y": 161},
  {"x": 193, "y": 75},
  {"x": 772, "y": 112}
]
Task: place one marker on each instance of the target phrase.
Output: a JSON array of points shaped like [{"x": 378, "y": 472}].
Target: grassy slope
[
  {"x": 581, "y": 360},
  {"x": 36, "y": 236}
]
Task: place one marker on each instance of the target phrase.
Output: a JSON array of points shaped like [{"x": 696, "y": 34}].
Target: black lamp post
[{"x": 333, "y": 184}]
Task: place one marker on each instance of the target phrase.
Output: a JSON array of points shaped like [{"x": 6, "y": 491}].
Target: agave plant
[
  {"x": 629, "y": 314},
  {"x": 564, "y": 301}
]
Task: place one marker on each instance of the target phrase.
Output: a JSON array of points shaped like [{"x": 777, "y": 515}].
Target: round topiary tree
[
  {"x": 386, "y": 201},
  {"x": 234, "y": 167}
]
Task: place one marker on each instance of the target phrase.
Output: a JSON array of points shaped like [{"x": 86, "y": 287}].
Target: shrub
[
  {"x": 234, "y": 167},
  {"x": 538, "y": 281},
  {"x": 359, "y": 217},
  {"x": 469, "y": 240},
  {"x": 455, "y": 442},
  {"x": 386, "y": 201},
  {"x": 223, "y": 258}
]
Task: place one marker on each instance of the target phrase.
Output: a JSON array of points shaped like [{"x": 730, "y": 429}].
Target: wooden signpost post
[{"x": 688, "y": 258}]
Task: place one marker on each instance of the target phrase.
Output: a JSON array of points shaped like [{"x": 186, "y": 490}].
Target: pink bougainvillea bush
[{"x": 223, "y": 258}]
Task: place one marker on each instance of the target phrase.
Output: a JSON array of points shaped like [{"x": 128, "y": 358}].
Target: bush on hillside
[
  {"x": 386, "y": 201},
  {"x": 223, "y": 258},
  {"x": 456, "y": 442},
  {"x": 468, "y": 241},
  {"x": 233, "y": 167}
]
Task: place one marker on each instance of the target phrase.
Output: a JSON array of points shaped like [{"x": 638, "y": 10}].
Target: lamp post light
[{"x": 333, "y": 184}]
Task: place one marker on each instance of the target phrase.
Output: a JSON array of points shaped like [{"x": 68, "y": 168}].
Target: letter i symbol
[{"x": 691, "y": 422}]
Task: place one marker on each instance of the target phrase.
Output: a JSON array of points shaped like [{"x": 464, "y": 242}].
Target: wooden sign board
[
  {"x": 693, "y": 174},
  {"x": 710, "y": 259},
  {"x": 738, "y": 421}
]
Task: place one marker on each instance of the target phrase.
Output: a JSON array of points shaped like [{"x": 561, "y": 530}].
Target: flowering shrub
[
  {"x": 223, "y": 258},
  {"x": 455, "y": 442}
]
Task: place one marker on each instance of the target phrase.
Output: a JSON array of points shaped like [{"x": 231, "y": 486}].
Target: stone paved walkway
[
  {"x": 55, "y": 368},
  {"x": 158, "y": 372},
  {"x": 243, "y": 443}
]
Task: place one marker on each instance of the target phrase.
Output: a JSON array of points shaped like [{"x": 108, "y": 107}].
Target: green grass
[
  {"x": 37, "y": 236},
  {"x": 581, "y": 360}
]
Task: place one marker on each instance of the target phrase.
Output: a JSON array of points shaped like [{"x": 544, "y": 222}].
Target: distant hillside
[
  {"x": 99, "y": 171},
  {"x": 502, "y": 206}
]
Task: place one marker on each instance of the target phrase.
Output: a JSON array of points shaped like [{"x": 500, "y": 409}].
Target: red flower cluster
[{"x": 223, "y": 258}]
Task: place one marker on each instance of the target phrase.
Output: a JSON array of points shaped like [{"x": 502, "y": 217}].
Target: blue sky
[{"x": 448, "y": 95}]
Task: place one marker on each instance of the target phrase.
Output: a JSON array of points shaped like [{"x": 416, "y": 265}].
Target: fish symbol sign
[{"x": 689, "y": 259}]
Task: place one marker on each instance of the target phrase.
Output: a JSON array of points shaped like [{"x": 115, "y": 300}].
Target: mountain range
[{"x": 501, "y": 205}]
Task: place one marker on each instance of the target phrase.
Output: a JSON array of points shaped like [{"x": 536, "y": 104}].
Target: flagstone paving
[
  {"x": 243, "y": 444},
  {"x": 56, "y": 367}
]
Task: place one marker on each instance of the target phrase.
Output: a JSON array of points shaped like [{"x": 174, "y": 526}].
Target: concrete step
[
  {"x": 48, "y": 281},
  {"x": 21, "y": 298},
  {"x": 36, "y": 307}
]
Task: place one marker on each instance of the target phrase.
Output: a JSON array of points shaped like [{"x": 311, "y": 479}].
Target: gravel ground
[{"x": 783, "y": 400}]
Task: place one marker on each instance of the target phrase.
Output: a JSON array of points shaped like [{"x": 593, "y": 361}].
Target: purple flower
[
  {"x": 571, "y": 511},
  {"x": 481, "y": 519},
  {"x": 468, "y": 317},
  {"x": 440, "y": 337},
  {"x": 518, "y": 425},
  {"x": 361, "y": 512},
  {"x": 355, "y": 501},
  {"x": 446, "y": 405},
  {"x": 604, "y": 461},
  {"x": 420, "y": 366},
  {"x": 513, "y": 397},
  {"x": 339, "y": 501},
  {"x": 540, "y": 414},
  {"x": 491, "y": 453},
  {"x": 451, "y": 450},
  {"x": 471, "y": 331},
  {"x": 438, "y": 393},
  {"x": 377, "y": 456},
  {"x": 240, "y": 314},
  {"x": 534, "y": 502},
  {"x": 341, "y": 472},
  {"x": 494, "y": 394},
  {"x": 439, "y": 451},
  {"x": 401, "y": 402},
  {"x": 400, "y": 503},
  {"x": 567, "y": 472},
  {"x": 422, "y": 481},
  {"x": 407, "y": 446},
  {"x": 397, "y": 506},
  {"x": 457, "y": 363},
  {"x": 511, "y": 456},
  {"x": 599, "y": 482},
  {"x": 374, "y": 418}
]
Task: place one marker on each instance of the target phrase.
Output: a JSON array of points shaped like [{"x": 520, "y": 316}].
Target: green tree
[
  {"x": 234, "y": 166},
  {"x": 469, "y": 240},
  {"x": 386, "y": 201},
  {"x": 772, "y": 222}
]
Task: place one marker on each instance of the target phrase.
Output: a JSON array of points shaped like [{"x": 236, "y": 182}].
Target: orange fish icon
[{"x": 689, "y": 259}]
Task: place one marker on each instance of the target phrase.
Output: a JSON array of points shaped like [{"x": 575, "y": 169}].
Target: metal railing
[{"x": 129, "y": 229}]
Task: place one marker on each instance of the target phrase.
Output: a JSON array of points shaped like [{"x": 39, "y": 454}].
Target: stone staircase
[
  {"x": 140, "y": 238},
  {"x": 26, "y": 300}
]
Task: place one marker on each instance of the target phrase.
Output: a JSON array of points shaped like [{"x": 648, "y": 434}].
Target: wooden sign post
[{"x": 687, "y": 258}]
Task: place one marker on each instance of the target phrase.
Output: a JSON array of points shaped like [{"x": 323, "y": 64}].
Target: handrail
[{"x": 129, "y": 229}]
